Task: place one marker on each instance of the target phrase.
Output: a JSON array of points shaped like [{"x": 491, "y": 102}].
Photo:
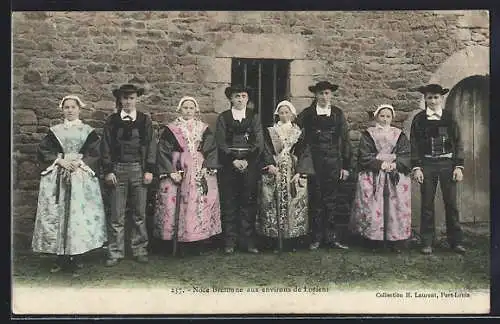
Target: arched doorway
[{"x": 469, "y": 102}]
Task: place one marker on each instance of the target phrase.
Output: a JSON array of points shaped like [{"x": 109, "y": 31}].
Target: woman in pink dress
[
  {"x": 382, "y": 205},
  {"x": 187, "y": 157}
]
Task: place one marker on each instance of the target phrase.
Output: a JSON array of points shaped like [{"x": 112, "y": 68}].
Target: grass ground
[{"x": 356, "y": 268}]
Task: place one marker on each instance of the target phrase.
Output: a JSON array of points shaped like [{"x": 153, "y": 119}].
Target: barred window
[{"x": 269, "y": 80}]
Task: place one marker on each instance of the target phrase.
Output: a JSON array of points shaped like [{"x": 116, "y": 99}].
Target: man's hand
[
  {"x": 344, "y": 174},
  {"x": 418, "y": 175},
  {"x": 148, "y": 177},
  {"x": 110, "y": 179},
  {"x": 241, "y": 165},
  {"x": 458, "y": 175}
]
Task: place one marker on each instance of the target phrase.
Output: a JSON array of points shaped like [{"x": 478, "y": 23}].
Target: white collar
[
  {"x": 132, "y": 114},
  {"x": 323, "y": 110},
  {"x": 378, "y": 126},
  {"x": 72, "y": 123},
  {"x": 238, "y": 114},
  {"x": 280, "y": 124},
  {"x": 438, "y": 112}
]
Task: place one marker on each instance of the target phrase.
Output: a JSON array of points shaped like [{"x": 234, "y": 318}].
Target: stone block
[
  {"x": 464, "y": 34},
  {"x": 27, "y": 170},
  {"x": 25, "y": 117},
  {"x": 215, "y": 69},
  {"x": 474, "y": 19},
  {"x": 126, "y": 42},
  {"x": 264, "y": 46},
  {"x": 32, "y": 76},
  {"x": 307, "y": 67},
  {"x": 301, "y": 103},
  {"x": 299, "y": 85}
]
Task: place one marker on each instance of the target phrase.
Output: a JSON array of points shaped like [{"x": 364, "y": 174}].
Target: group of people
[{"x": 242, "y": 180}]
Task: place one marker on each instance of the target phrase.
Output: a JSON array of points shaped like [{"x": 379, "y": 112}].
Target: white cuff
[
  {"x": 416, "y": 168},
  {"x": 52, "y": 166},
  {"x": 86, "y": 168}
]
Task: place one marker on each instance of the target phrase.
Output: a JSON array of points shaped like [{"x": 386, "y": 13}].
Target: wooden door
[{"x": 469, "y": 102}]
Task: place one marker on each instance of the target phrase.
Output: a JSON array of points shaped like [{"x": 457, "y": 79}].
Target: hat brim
[
  {"x": 230, "y": 90},
  {"x": 315, "y": 89},
  {"x": 424, "y": 90},
  {"x": 118, "y": 92}
]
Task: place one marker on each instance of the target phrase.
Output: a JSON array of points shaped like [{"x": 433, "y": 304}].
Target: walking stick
[
  {"x": 176, "y": 213},
  {"x": 386, "y": 207},
  {"x": 278, "y": 223},
  {"x": 67, "y": 206}
]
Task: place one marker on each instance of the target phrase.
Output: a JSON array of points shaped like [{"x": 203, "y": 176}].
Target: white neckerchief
[
  {"x": 238, "y": 115},
  {"x": 285, "y": 126},
  {"x": 324, "y": 110},
  {"x": 132, "y": 114},
  {"x": 192, "y": 132},
  {"x": 434, "y": 114},
  {"x": 384, "y": 128},
  {"x": 68, "y": 124}
]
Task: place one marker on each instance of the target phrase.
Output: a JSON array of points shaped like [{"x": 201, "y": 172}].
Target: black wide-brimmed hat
[
  {"x": 323, "y": 85},
  {"x": 127, "y": 89},
  {"x": 236, "y": 88},
  {"x": 433, "y": 88}
]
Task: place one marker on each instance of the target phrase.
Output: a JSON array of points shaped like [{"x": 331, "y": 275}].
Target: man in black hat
[
  {"x": 240, "y": 142},
  {"x": 437, "y": 154},
  {"x": 128, "y": 152},
  {"x": 327, "y": 133}
]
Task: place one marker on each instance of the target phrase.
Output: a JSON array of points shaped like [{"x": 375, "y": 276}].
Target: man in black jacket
[
  {"x": 437, "y": 154},
  {"x": 240, "y": 142},
  {"x": 327, "y": 133},
  {"x": 128, "y": 150}
]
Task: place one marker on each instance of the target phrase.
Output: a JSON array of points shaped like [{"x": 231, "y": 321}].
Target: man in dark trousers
[
  {"x": 240, "y": 142},
  {"x": 327, "y": 133},
  {"x": 128, "y": 151},
  {"x": 437, "y": 154}
]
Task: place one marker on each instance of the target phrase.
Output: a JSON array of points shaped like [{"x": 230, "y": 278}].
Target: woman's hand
[
  {"x": 296, "y": 177},
  {"x": 271, "y": 169},
  {"x": 176, "y": 177},
  {"x": 68, "y": 165},
  {"x": 458, "y": 175}
]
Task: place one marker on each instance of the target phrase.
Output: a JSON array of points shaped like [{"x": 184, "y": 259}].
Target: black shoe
[
  {"x": 426, "y": 250},
  {"x": 111, "y": 262},
  {"x": 338, "y": 245},
  {"x": 142, "y": 258},
  {"x": 459, "y": 249},
  {"x": 314, "y": 246},
  {"x": 252, "y": 250}
]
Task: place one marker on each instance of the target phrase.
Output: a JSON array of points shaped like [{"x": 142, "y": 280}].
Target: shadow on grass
[{"x": 353, "y": 269}]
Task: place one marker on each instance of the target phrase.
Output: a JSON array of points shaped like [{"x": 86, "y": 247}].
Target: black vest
[
  {"x": 239, "y": 134},
  {"x": 437, "y": 136},
  {"x": 128, "y": 138}
]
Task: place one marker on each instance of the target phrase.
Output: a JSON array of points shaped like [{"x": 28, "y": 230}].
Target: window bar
[
  {"x": 260, "y": 88},
  {"x": 275, "y": 67},
  {"x": 245, "y": 74}
]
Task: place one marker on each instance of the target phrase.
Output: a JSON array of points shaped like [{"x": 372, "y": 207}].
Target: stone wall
[{"x": 375, "y": 57}]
